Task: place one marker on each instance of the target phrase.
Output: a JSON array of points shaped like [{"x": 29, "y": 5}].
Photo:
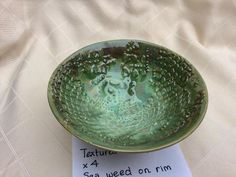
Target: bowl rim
[{"x": 178, "y": 139}]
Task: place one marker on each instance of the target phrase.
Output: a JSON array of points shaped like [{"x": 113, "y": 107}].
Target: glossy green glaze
[{"x": 128, "y": 96}]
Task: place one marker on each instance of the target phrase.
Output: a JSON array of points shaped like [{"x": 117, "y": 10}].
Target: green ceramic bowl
[{"x": 127, "y": 96}]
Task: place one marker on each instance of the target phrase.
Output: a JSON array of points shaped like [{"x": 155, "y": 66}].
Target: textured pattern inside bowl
[{"x": 134, "y": 95}]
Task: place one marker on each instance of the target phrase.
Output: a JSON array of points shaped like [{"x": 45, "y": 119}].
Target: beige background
[{"x": 35, "y": 36}]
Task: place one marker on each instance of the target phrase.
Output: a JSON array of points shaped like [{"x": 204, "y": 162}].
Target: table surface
[{"x": 35, "y": 36}]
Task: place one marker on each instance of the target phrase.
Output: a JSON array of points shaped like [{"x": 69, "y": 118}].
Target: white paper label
[{"x": 89, "y": 161}]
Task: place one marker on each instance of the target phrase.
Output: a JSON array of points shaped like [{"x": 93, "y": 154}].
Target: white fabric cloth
[{"x": 35, "y": 36}]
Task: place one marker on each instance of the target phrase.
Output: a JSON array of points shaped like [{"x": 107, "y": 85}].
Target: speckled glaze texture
[{"x": 128, "y": 96}]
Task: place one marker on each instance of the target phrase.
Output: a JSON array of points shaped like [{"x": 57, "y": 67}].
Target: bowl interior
[{"x": 127, "y": 96}]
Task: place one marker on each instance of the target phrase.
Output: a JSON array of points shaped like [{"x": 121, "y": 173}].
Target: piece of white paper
[{"x": 90, "y": 161}]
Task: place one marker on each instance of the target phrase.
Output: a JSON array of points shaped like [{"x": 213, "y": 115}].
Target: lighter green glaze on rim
[{"x": 170, "y": 140}]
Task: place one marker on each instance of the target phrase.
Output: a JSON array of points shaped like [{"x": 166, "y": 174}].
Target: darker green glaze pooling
[{"x": 129, "y": 96}]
